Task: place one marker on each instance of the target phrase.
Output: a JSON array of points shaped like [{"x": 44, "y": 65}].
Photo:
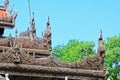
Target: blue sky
[{"x": 70, "y": 19}]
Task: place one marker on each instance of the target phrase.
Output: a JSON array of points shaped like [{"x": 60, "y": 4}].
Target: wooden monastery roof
[
  {"x": 7, "y": 19},
  {"x": 3, "y": 13},
  {"x": 28, "y": 55},
  {"x": 45, "y": 71}
]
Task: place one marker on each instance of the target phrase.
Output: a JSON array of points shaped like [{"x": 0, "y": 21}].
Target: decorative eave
[
  {"x": 8, "y": 25},
  {"x": 42, "y": 52},
  {"x": 44, "y": 71},
  {"x": 2, "y": 8},
  {"x": 21, "y": 56},
  {"x": 7, "y": 18}
]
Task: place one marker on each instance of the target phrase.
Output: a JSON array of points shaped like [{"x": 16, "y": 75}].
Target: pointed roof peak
[
  {"x": 100, "y": 38},
  {"x": 16, "y": 32},
  {"x": 32, "y": 22},
  {"x": 48, "y": 22},
  {"x": 48, "y": 17},
  {"x": 101, "y": 31},
  {"x": 6, "y": 3}
]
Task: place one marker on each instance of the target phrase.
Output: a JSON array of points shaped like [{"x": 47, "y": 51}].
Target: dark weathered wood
[
  {"x": 44, "y": 71},
  {"x": 38, "y": 51},
  {"x": 4, "y": 24},
  {"x": 27, "y": 57},
  {"x": 2, "y": 8}
]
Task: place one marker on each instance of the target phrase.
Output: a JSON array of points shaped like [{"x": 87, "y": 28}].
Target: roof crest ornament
[{"x": 6, "y": 4}]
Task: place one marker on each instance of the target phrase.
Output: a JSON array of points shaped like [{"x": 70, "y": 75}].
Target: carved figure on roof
[{"x": 16, "y": 56}]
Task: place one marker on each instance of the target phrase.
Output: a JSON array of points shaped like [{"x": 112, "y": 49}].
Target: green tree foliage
[
  {"x": 74, "y": 50},
  {"x": 112, "y": 57}
]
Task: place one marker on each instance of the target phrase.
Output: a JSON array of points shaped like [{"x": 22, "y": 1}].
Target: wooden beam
[
  {"x": 4, "y": 24},
  {"x": 2, "y": 8},
  {"x": 42, "y": 52},
  {"x": 45, "y": 71}
]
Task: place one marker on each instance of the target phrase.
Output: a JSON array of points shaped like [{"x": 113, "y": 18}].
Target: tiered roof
[
  {"x": 28, "y": 56},
  {"x": 7, "y": 18}
]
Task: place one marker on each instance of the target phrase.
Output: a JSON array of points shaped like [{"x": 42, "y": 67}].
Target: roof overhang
[
  {"x": 54, "y": 72},
  {"x": 2, "y": 8},
  {"x": 8, "y": 25}
]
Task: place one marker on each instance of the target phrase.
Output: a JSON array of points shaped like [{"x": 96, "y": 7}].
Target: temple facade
[{"x": 27, "y": 57}]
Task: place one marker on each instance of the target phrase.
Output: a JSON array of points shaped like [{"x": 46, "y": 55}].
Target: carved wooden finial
[
  {"x": 101, "y": 38},
  {"x": 101, "y": 48},
  {"x": 16, "y": 32},
  {"x": 32, "y": 20},
  {"x": 48, "y": 26},
  {"x": 32, "y": 26},
  {"x": 48, "y": 23},
  {"x": 6, "y": 3}
]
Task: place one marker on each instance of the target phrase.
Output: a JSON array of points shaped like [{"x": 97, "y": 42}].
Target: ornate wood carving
[
  {"x": 28, "y": 57},
  {"x": 54, "y": 72},
  {"x": 7, "y": 17}
]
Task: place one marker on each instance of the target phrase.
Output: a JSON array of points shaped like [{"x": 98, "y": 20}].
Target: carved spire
[
  {"x": 32, "y": 24},
  {"x": 47, "y": 34},
  {"x": 16, "y": 32},
  {"x": 48, "y": 26},
  {"x": 6, "y": 3},
  {"x": 32, "y": 28},
  {"x": 48, "y": 23},
  {"x": 101, "y": 38},
  {"x": 101, "y": 48}
]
